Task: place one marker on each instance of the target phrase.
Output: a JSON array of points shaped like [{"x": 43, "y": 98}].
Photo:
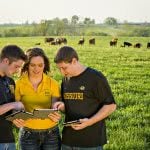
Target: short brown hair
[
  {"x": 13, "y": 53},
  {"x": 65, "y": 54}
]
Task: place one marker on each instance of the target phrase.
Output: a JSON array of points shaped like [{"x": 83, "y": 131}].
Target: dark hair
[
  {"x": 65, "y": 54},
  {"x": 13, "y": 53},
  {"x": 34, "y": 52}
]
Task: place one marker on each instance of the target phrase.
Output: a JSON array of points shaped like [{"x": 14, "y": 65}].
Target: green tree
[
  {"x": 43, "y": 27},
  {"x": 88, "y": 21},
  {"x": 74, "y": 19},
  {"x": 59, "y": 26},
  {"x": 110, "y": 21}
]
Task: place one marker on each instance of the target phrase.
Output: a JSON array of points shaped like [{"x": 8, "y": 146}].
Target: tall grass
[{"x": 127, "y": 70}]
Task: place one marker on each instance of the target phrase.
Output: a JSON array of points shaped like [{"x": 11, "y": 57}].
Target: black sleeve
[
  {"x": 102, "y": 90},
  {"x": 62, "y": 91}
]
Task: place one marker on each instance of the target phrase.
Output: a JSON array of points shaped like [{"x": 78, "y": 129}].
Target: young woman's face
[{"x": 36, "y": 66}]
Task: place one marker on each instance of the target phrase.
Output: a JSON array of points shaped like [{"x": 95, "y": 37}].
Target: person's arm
[
  {"x": 59, "y": 105},
  {"x": 56, "y": 104},
  {"x": 104, "y": 112},
  {"x": 10, "y": 106}
]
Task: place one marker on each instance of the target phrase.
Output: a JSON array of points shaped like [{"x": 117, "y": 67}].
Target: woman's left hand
[{"x": 55, "y": 116}]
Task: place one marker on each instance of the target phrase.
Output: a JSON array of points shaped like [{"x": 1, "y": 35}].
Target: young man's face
[
  {"x": 12, "y": 68},
  {"x": 66, "y": 69}
]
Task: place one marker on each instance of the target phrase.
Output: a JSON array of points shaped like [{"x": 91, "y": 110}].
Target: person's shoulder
[
  {"x": 95, "y": 73},
  {"x": 11, "y": 80},
  {"x": 22, "y": 79},
  {"x": 49, "y": 78}
]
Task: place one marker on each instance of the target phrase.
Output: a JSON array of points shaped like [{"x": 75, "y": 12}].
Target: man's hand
[
  {"x": 18, "y": 106},
  {"x": 83, "y": 124},
  {"x": 59, "y": 105},
  {"x": 19, "y": 123}
]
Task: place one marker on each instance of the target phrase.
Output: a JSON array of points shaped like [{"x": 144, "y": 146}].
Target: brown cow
[
  {"x": 48, "y": 40},
  {"x": 113, "y": 42},
  {"x": 92, "y": 41}
]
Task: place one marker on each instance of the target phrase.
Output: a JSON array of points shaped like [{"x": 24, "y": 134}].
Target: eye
[
  {"x": 40, "y": 65},
  {"x": 32, "y": 65}
]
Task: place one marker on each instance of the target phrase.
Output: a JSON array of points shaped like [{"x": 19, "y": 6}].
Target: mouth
[{"x": 36, "y": 72}]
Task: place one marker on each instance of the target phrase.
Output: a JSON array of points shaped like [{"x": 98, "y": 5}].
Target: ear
[
  {"x": 74, "y": 60},
  {"x": 5, "y": 60}
]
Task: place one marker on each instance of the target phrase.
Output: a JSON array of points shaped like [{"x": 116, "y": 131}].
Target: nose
[
  {"x": 62, "y": 71},
  {"x": 17, "y": 70}
]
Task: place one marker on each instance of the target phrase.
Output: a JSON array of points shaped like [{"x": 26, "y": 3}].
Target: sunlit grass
[{"x": 127, "y": 70}]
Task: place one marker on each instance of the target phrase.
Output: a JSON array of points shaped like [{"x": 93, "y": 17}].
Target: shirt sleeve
[{"x": 103, "y": 91}]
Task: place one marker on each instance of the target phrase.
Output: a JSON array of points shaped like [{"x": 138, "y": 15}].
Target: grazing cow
[
  {"x": 113, "y": 42},
  {"x": 58, "y": 41},
  {"x": 137, "y": 45},
  {"x": 81, "y": 41},
  {"x": 37, "y": 43},
  {"x": 64, "y": 40},
  {"x": 49, "y": 40},
  {"x": 148, "y": 45},
  {"x": 127, "y": 44},
  {"x": 92, "y": 41}
]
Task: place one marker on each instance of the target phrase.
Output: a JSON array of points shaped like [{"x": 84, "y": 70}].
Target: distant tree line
[{"x": 73, "y": 27}]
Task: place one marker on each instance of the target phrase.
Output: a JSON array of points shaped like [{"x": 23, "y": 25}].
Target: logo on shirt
[
  {"x": 12, "y": 88},
  {"x": 47, "y": 92},
  {"x": 73, "y": 96},
  {"x": 82, "y": 88}
]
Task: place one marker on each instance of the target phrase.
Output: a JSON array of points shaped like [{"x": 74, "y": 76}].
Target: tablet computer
[
  {"x": 43, "y": 113},
  {"x": 19, "y": 115},
  {"x": 69, "y": 123}
]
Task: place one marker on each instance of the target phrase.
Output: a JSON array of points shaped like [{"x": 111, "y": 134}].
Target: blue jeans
[
  {"x": 7, "y": 146},
  {"x": 65, "y": 147},
  {"x": 42, "y": 140}
]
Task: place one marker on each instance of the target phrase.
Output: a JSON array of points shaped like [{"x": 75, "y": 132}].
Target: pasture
[{"x": 128, "y": 72}]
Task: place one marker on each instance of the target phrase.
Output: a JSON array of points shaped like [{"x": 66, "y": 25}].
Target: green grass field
[{"x": 128, "y": 72}]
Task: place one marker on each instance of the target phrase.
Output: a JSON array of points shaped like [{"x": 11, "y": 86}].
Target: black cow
[
  {"x": 148, "y": 45},
  {"x": 127, "y": 44},
  {"x": 49, "y": 40},
  {"x": 81, "y": 41},
  {"x": 137, "y": 45},
  {"x": 37, "y": 43},
  {"x": 92, "y": 41}
]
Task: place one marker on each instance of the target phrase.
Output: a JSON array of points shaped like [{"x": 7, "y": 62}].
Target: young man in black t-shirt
[
  {"x": 86, "y": 97},
  {"x": 11, "y": 59}
]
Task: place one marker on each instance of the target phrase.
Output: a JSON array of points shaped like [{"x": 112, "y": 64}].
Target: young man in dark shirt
[
  {"x": 12, "y": 58},
  {"x": 86, "y": 97}
]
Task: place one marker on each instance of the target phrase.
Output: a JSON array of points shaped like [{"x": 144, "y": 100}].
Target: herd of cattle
[
  {"x": 92, "y": 41},
  {"x": 59, "y": 41},
  {"x": 113, "y": 42}
]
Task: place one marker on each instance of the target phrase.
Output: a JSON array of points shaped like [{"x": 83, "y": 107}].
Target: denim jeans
[
  {"x": 7, "y": 146},
  {"x": 65, "y": 147},
  {"x": 42, "y": 140}
]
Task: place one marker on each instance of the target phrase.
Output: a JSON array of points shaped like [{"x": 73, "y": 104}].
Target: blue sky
[{"x": 18, "y": 11}]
